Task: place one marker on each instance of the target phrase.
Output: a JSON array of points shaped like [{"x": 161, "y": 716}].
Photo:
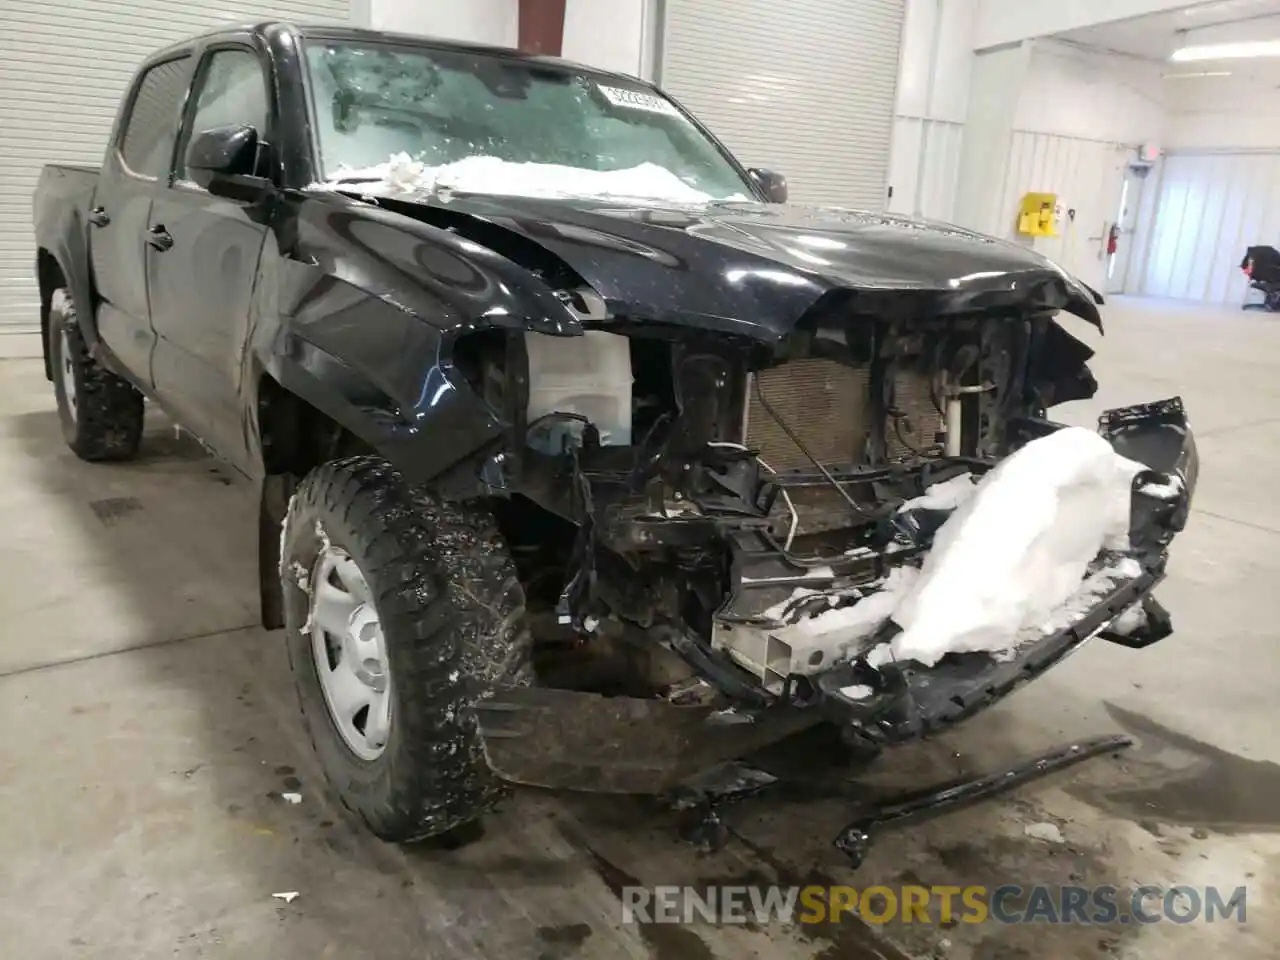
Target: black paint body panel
[
  {"x": 354, "y": 304},
  {"x": 756, "y": 268}
]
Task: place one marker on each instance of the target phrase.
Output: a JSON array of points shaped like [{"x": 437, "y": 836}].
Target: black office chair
[{"x": 1262, "y": 266}]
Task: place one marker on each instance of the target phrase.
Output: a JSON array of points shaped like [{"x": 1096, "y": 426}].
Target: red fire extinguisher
[{"x": 1113, "y": 239}]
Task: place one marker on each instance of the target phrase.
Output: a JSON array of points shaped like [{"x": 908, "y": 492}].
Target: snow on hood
[
  {"x": 1019, "y": 549},
  {"x": 401, "y": 175}
]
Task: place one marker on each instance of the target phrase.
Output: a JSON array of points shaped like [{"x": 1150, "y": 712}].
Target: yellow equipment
[{"x": 1036, "y": 217}]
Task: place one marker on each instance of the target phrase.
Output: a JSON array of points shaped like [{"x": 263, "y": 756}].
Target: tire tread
[
  {"x": 453, "y": 615},
  {"x": 110, "y": 410}
]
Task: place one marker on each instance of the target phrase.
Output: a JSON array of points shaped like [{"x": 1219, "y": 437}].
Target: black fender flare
[
  {"x": 69, "y": 251},
  {"x": 355, "y": 404},
  {"x": 457, "y": 422}
]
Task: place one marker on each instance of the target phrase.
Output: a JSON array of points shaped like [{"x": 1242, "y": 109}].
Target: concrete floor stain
[
  {"x": 564, "y": 939},
  {"x": 847, "y": 939},
  {"x": 113, "y": 509},
  {"x": 1189, "y": 782},
  {"x": 666, "y": 941}
]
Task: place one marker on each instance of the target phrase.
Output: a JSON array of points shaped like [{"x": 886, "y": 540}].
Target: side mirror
[
  {"x": 224, "y": 160},
  {"x": 773, "y": 184}
]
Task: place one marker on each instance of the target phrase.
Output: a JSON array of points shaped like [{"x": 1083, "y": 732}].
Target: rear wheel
[
  {"x": 101, "y": 414},
  {"x": 400, "y": 612}
]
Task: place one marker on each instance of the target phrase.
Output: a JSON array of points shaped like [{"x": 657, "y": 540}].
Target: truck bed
[{"x": 62, "y": 186}]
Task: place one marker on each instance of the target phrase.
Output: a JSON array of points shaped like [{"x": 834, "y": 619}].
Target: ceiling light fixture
[
  {"x": 1227, "y": 51},
  {"x": 1196, "y": 76}
]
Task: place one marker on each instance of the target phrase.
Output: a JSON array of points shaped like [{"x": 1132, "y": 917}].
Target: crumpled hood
[{"x": 756, "y": 269}]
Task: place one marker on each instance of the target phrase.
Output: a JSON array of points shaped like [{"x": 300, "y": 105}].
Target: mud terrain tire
[
  {"x": 451, "y": 612},
  {"x": 101, "y": 414}
]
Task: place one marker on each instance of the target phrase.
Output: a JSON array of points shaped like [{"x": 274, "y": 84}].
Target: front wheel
[
  {"x": 400, "y": 612},
  {"x": 101, "y": 414}
]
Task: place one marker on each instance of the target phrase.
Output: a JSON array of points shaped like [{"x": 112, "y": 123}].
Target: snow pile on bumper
[
  {"x": 837, "y": 634},
  {"x": 1012, "y": 555},
  {"x": 1014, "y": 561}
]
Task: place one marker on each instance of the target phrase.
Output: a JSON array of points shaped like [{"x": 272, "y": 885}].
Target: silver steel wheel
[
  {"x": 68, "y": 375},
  {"x": 350, "y": 653}
]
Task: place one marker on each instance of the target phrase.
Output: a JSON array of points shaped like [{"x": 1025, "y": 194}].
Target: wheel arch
[
  {"x": 294, "y": 436},
  {"x": 63, "y": 261},
  {"x": 50, "y": 276}
]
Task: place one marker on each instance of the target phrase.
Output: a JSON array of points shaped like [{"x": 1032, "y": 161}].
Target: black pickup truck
[{"x": 568, "y": 427}]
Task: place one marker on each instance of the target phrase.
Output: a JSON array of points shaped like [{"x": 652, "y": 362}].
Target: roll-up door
[
  {"x": 805, "y": 88},
  {"x": 63, "y": 67}
]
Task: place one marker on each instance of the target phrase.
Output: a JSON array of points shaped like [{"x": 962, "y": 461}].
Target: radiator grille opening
[
  {"x": 828, "y": 406},
  {"x": 825, "y": 405}
]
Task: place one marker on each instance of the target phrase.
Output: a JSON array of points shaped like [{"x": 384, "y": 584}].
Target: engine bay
[{"x": 697, "y": 482}]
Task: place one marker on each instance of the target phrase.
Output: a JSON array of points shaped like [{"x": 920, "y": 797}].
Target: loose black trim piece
[{"x": 854, "y": 840}]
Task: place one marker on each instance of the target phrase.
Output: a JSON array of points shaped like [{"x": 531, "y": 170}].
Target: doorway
[{"x": 1126, "y": 221}]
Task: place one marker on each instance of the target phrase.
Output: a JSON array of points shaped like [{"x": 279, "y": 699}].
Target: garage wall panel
[
  {"x": 806, "y": 88},
  {"x": 1087, "y": 175},
  {"x": 63, "y": 67},
  {"x": 477, "y": 21},
  {"x": 614, "y": 35},
  {"x": 1211, "y": 206},
  {"x": 925, "y": 167},
  {"x": 996, "y": 78},
  {"x": 1008, "y": 21}
]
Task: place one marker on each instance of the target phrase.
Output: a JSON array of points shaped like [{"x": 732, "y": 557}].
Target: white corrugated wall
[
  {"x": 1087, "y": 175},
  {"x": 925, "y": 167},
  {"x": 806, "y": 88},
  {"x": 1210, "y": 208},
  {"x": 63, "y": 67}
]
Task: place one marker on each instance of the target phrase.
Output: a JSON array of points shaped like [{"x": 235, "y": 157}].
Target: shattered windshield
[{"x": 401, "y": 119}]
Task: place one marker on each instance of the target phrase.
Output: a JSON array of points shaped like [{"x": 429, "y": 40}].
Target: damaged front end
[{"x": 685, "y": 507}]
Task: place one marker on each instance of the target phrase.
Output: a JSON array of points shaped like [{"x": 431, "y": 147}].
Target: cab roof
[{"x": 331, "y": 31}]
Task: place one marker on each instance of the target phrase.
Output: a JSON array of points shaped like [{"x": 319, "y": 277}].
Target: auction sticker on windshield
[{"x": 637, "y": 100}]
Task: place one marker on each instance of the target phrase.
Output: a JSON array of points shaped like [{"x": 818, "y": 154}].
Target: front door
[
  {"x": 1119, "y": 262},
  {"x": 202, "y": 260},
  {"x": 134, "y": 172}
]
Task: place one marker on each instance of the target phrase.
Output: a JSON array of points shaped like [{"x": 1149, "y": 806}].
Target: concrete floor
[{"x": 151, "y": 729}]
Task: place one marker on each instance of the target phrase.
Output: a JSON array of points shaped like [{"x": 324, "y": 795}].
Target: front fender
[
  {"x": 422, "y": 441},
  {"x": 362, "y": 315},
  {"x": 377, "y": 370}
]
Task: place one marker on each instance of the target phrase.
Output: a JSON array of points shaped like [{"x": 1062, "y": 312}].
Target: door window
[
  {"x": 154, "y": 116},
  {"x": 231, "y": 90}
]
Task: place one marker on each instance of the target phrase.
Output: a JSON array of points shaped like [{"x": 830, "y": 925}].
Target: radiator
[{"x": 827, "y": 405}]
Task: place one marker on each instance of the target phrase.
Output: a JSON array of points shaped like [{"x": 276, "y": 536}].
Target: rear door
[
  {"x": 202, "y": 260},
  {"x": 134, "y": 171}
]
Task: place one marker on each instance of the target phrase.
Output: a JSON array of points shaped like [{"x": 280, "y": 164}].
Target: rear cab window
[{"x": 151, "y": 127}]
